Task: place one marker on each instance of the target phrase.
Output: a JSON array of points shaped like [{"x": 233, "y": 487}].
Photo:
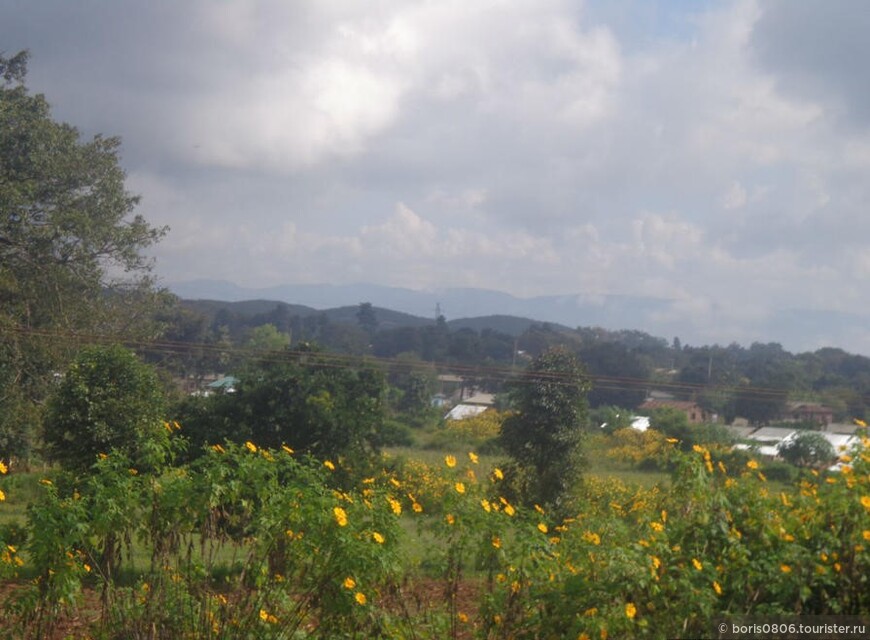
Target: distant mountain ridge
[
  {"x": 797, "y": 329},
  {"x": 454, "y": 303}
]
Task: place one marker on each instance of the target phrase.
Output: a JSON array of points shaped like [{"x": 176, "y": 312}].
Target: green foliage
[
  {"x": 807, "y": 449},
  {"x": 544, "y": 434},
  {"x": 674, "y": 423},
  {"x": 66, "y": 230},
  {"x": 307, "y": 403},
  {"x": 107, "y": 401}
]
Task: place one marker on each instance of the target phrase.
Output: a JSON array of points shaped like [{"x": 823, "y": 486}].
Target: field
[{"x": 252, "y": 543}]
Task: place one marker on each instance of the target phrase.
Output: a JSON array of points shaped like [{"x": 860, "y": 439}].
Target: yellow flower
[
  {"x": 378, "y": 538},
  {"x": 3, "y": 468},
  {"x": 542, "y": 527},
  {"x": 672, "y": 441},
  {"x": 630, "y": 611},
  {"x": 591, "y": 613},
  {"x": 866, "y": 534},
  {"x": 340, "y": 516},
  {"x": 752, "y": 464},
  {"x": 417, "y": 507},
  {"x": 697, "y": 564},
  {"x": 785, "y": 568},
  {"x": 860, "y": 422},
  {"x": 395, "y": 505},
  {"x": 87, "y": 567},
  {"x": 395, "y": 483},
  {"x": 657, "y": 526},
  {"x": 449, "y": 518},
  {"x": 656, "y": 562},
  {"x": 508, "y": 509},
  {"x": 592, "y": 537},
  {"x": 460, "y": 488},
  {"x": 250, "y": 446},
  {"x": 865, "y": 500},
  {"x": 46, "y": 482},
  {"x": 218, "y": 449},
  {"x": 328, "y": 464},
  {"x": 2, "y": 495},
  {"x": 486, "y": 505},
  {"x": 349, "y": 583},
  {"x": 463, "y": 617},
  {"x": 498, "y": 474},
  {"x": 287, "y": 449},
  {"x": 717, "y": 588},
  {"x": 496, "y": 542},
  {"x": 450, "y": 461},
  {"x": 473, "y": 457},
  {"x": 360, "y": 598}
]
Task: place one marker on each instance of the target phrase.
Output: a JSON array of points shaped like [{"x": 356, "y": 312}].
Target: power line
[{"x": 325, "y": 359}]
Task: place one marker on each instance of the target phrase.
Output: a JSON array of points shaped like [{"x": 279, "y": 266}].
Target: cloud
[{"x": 715, "y": 156}]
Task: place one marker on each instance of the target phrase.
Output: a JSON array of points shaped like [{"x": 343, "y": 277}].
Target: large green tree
[
  {"x": 71, "y": 250},
  {"x": 544, "y": 435}
]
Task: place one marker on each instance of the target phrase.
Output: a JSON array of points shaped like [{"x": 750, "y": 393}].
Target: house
[
  {"x": 473, "y": 406},
  {"x": 808, "y": 412},
  {"x": 694, "y": 412}
]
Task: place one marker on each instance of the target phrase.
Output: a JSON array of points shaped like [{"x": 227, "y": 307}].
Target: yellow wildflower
[
  {"x": 463, "y": 617},
  {"x": 349, "y": 583},
  {"x": 496, "y": 542},
  {"x": 395, "y": 505},
  {"x": 785, "y": 568},
  {"x": 656, "y": 561},
  {"x": 360, "y": 598},
  {"x": 395, "y": 483},
  {"x": 657, "y": 526},
  {"x": 498, "y": 474},
  {"x": 630, "y": 611},
  {"x": 460, "y": 488},
  {"x": 542, "y": 527},
  {"x": 508, "y": 509},
  {"x": 866, "y": 534},
  {"x": 450, "y": 461},
  {"x": 250, "y": 446},
  {"x": 697, "y": 564},
  {"x": 378, "y": 537},
  {"x": 473, "y": 457},
  {"x": 340, "y": 516},
  {"x": 2, "y": 495},
  {"x": 3, "y": 468},
  {"x": 329, "y": 465},
  {"x": 717, "y": 588},
  {"x": 287, "y": 449},
  {"x": 752, "y": 464},
  {"x": 672, "y": 441},
  {"x": 449, "y": 518},
  {"x": 486, "y": 505},
  {"x": 218, "y": 448},
  {"x": 46, "y": 482},
  {"x": 417, "y": 507},
  {"x": 865, "y": 500}
]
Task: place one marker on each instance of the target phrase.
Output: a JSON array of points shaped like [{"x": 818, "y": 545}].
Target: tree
[
  {"x": 807, "y": 449},
  {"x": 108, "y": 401},
  {"x": 543, "y": 436},
  {"x": 366, "y": 318},
  {"x": 266, "y": 337},
  {"x": 67, "y": 230}
]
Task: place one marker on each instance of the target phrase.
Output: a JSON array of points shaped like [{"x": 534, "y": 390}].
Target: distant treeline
[{"x": 754, "y": 382}]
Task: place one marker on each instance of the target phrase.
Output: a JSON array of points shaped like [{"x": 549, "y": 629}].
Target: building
[{"x": 807, "y": 412}]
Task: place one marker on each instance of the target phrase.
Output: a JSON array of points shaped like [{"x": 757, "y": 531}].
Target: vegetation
[{"x": 273, "y": 512}]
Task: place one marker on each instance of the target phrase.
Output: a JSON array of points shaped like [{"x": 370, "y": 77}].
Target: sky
[{"x": 712, "y": 154}]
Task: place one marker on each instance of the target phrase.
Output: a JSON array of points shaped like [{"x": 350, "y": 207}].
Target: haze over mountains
[{"x": 796, "y": 329}]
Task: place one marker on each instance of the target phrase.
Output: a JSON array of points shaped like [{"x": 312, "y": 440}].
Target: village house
[{"x": 694, "y": 412}]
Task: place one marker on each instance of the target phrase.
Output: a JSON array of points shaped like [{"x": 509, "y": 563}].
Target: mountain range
[{"x": 796, "y": 329}]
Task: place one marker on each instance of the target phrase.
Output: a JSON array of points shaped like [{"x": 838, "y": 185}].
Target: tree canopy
[
  {"x": 71, "y": 249},
  {"x": 543, "y": 436}
]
